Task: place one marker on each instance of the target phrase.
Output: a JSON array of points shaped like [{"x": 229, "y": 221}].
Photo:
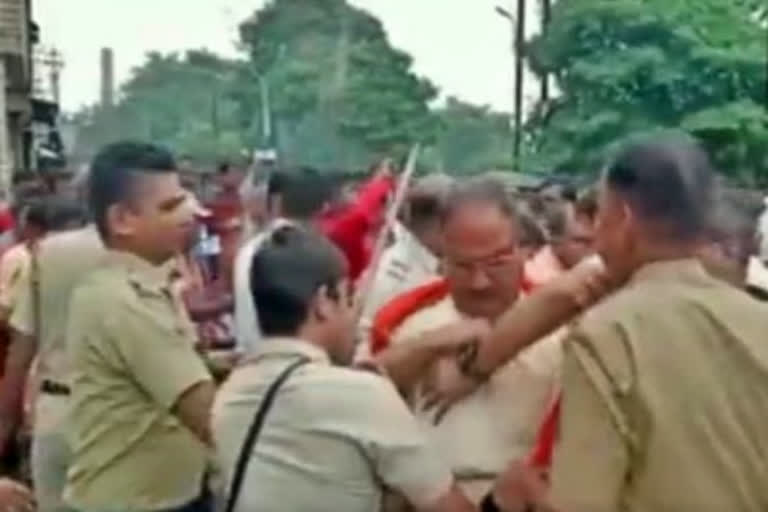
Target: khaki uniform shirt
[
  {"x": 333, "y": 439},
  {"x": 63, "y": 259},
  {"x": 131, "y": 348},
  {"x": 665, "y": 400},
  {"x": 498, "y": 422}
]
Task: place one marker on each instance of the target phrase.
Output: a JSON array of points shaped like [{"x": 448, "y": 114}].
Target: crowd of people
[{"x": 593, "y": 350}]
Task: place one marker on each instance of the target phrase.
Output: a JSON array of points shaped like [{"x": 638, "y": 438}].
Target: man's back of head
[
  {"x": 732, "y": 237},
  {"x": 655, "y": 203},
  {"x": 423, "y": 209},
  {"x": 668, "y": 182},
  {"x": 298, "y": 284},
  {"x": 297, "y": 194}
]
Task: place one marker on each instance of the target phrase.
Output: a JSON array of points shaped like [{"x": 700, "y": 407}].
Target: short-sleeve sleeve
[
  {"x": 156, "y": 349},
  {"x": 22, "y": 317},
  {"x": 400, "y": 451},
  {"x": 12, "y": 269}
]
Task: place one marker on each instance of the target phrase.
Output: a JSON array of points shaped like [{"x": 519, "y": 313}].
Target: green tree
[
  {"x": 334, "y": 79},
  {"x": 634, "y": 66},
  {"x": 470, "y": 139},
  {"x": 185, "y": 102}
]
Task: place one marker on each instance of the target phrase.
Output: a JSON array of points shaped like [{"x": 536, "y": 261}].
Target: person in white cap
[
  {"x": 413, "y": 259},
  {"x": 291, "y": 198}
]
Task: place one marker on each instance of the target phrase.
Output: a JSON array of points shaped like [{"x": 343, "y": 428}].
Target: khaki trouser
[
  {"x": 50, "y": 454},
  {"x": 50, "y": 460}
]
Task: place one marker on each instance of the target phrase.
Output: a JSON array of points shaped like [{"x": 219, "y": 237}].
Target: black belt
[{"x": 54, "y": 388}]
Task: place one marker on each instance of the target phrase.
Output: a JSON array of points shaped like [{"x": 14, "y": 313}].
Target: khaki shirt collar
[
  {"x": 140, "y": 271},
  {"x": 677, "y": 270},
  {"x": 287, "y": 346}
]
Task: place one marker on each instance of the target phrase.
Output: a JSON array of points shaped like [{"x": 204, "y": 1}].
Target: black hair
[
  {"x": 569, "y": 193},
  {"x": 36, "y": 213},
  {"x": 554, "y": 219},
  {"x": 486, "y": 190},
  {"x": 667, "y": 181},
  {"x": 287, "y": 272},
  {"x": 733, "y": 224},
  {"x": 114, "y": 171},
  {"x": 531, "y": 233},
  {"x": 64, "y": 213},
  {"x": 424, "y": 211},
  {"x": 303, "y": 191}
]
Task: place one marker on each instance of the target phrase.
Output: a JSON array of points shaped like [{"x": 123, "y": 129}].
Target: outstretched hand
[
  {"x": 448, "y": 383},
  {"x": 585, "y": 284},
  {"x": 14, "y": 497},
  {"x": 519, "y": 487},
  {"x": 446, "y": 386}
]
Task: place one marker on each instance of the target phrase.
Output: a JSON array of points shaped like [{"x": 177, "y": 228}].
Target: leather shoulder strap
[{"x": 253, "y": 433}]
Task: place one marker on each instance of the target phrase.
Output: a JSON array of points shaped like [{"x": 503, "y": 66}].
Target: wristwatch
[{"x": 467, "y": 361}]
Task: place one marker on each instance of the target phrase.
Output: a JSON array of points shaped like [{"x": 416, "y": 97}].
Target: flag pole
[{"x": 366, "y": 285}]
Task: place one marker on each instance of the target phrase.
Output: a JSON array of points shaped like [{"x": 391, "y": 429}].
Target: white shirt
[
  {"x": 333, "y": 439},
  {"x": 498, "y": 422},
  {"x": 757, "y": 274},
  {"x": 247, "y": 331},
  {"x": 404, "y": 266}
]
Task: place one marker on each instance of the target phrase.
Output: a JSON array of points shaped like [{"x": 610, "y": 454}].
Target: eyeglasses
[{"x": 492, "y": 266}]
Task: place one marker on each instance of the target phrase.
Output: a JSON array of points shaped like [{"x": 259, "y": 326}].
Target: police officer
[{"x": 140, "y": 393}]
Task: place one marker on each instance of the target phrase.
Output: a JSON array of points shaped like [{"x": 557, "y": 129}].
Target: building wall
[{"x": 15, "y": 86}]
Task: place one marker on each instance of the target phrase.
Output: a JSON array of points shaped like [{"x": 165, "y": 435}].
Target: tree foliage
[
  {"x": 629, "y": 66},
  {"x": 332, "y": 72},
  {"x": 183, "y": 101},
  {"x": 339, "y": 94},
  {"x": 470, "y": 139}
]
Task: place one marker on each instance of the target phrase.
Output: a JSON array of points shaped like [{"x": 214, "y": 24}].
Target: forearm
[
  {"x": 453, "y": 501},
  {"x": 21, "y": 353},
  {"x": 406, "y": 363},
  {"x": 194, "y": 410},
  {"x": 531, "y": 319},
  {"x": 5, "y": 314}
]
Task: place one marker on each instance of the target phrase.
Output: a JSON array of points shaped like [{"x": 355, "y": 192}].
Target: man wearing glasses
[{"x": 417, "y": 335}]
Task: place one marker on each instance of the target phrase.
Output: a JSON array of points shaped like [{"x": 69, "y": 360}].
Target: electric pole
[
  {"x": 55, "y": 63},
  {"x": 546, "y": 16},
  {"x": 517, "y": 24}
]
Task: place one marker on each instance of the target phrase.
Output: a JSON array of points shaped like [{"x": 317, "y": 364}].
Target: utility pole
[
  {"x": 55, "y": 63},
  {"x": 517, "y": 24},
  {"x": 546, "y": 16},
  {"x": 107, "y": 78},
  {"x": 266, "y": 110}
]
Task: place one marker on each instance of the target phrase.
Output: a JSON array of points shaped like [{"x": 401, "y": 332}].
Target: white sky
[{"x": 461, "y": 45}]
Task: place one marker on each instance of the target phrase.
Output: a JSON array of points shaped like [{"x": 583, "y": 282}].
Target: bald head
[{"x": 668, "y": 183}]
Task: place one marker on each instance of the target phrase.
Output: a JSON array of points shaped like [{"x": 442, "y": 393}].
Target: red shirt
[
  {"x": 7, "y": 223},
  {"x": 348, "y": 227},
  {"x": 541, "y": 457}
]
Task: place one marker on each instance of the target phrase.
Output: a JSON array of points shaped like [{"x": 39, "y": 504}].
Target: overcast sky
[{"x": 461, "y": 45}]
